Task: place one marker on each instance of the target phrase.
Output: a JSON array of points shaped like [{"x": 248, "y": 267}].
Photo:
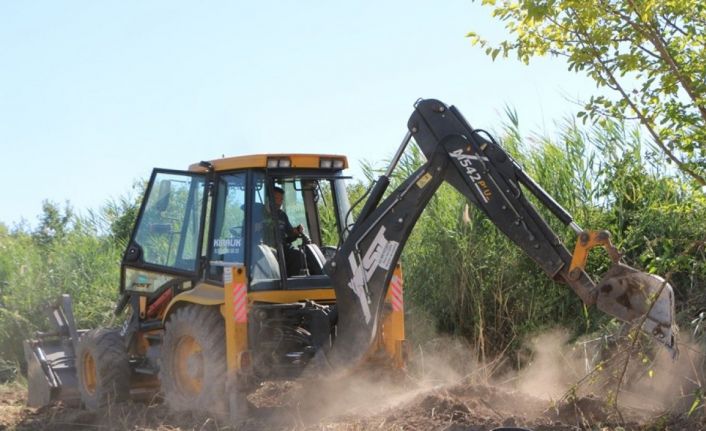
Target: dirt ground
[
  {"x": 372, "y": 405},
  {"x": 442, "y": 390}
]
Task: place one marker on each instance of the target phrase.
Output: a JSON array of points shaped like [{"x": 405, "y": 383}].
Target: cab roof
[{"x": 309, "y": 161}]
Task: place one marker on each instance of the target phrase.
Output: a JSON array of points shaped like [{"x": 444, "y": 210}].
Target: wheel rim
[
  {"x": 89, "y": 373},
  {"x": 189, "y": 365}
]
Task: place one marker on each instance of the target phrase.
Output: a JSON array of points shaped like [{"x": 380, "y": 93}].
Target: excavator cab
[{"x": 194, "y": 223}]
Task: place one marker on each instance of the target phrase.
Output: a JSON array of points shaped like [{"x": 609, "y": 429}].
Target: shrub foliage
[{"x": 458, "y": 267}]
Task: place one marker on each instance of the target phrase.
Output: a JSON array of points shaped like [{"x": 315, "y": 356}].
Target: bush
[{"x": 65, "y": 254}]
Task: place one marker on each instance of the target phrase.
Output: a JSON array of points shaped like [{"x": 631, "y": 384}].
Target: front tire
[
  {"x": 103, "y": 368},
  {"x": 193, "y": 360}
]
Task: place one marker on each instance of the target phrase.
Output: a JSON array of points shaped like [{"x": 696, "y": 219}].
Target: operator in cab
[{"x": 288, "y": 234}]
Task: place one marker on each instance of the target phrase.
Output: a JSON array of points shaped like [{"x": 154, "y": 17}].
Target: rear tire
[
  {"x": 193, "y": 360},
  {"x": 103, "y": 368}
]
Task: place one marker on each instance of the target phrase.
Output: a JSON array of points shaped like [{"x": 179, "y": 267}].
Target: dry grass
[{"x": 12, "y": 400}]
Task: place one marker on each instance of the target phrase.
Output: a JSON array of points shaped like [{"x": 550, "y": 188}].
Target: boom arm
[{"x": 487, "y": 176}]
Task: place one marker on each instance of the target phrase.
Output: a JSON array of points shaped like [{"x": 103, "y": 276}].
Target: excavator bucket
[{"x": 637, "y": 297}]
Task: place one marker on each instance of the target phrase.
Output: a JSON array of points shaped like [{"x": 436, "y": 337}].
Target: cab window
[
  {"x": 295, "y": 228},
  {"x": 168, "y": 231},
  {"x": 264, "y": 266},
  {"x": 228, "y": 239}
]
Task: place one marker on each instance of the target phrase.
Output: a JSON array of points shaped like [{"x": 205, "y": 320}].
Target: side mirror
[{"x": 163, "y": 194}]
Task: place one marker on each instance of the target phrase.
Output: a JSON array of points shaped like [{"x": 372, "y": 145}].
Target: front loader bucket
[
  {"x": 50, "y": 357},
  {"x": 637, "y": 297},
  {"x": 51, "y": 375}
]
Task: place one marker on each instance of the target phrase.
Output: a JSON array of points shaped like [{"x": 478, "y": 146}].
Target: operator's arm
[{"x": 290, "y": 233}]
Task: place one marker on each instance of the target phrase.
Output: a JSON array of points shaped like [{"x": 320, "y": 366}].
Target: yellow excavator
[{"x": 220, "y": 291}]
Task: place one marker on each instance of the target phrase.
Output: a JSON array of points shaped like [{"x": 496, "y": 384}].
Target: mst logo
[
  {"x": 465, "y": 161},
  {"x": 380, "y": 253}
]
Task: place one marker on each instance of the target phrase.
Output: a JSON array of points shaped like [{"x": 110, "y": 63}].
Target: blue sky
[{"x": 94, "y": 94}]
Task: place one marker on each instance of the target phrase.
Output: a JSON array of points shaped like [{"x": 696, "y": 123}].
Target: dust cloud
[
  {"x": 554, "y": 368},
  {"x": 662, "y": 383},
  {"x": 562, "y": 385},
  {"x": 369, "y": 391},
  {"x": 562, "y": 382},
  {"x": 643, "y": 378}
]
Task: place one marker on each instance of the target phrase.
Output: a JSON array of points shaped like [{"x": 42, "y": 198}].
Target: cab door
[
  {"x": 228, "y": 234},
  {"x": 165, "y": 246}
]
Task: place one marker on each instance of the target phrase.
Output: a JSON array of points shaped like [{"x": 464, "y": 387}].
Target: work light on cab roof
[{"x": 279, "y": 162}]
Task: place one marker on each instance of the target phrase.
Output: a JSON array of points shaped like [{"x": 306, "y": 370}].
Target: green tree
[
  {"x": 650, "y": 54},
  {"x": 53, "y": 223}
]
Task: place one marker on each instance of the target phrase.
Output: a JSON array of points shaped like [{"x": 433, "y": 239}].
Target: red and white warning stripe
[
  {"x": 240, "y": 303},
  {"x": 396, "y": 285}
]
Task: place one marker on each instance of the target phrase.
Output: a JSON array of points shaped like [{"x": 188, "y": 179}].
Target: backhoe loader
[{"x": 216, "y": 298}]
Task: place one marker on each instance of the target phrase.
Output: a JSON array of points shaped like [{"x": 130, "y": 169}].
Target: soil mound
[{"x": 355, "y": 406}]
